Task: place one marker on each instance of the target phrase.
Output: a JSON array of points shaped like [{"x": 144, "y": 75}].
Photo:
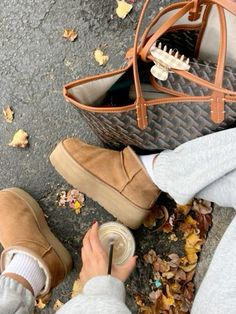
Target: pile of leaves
[
  {"x": 73, "y": 199},
  {"x": 172, "y": 287}
]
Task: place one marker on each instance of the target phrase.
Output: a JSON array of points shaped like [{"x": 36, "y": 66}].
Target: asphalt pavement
[{"x": 35, "y": 62}]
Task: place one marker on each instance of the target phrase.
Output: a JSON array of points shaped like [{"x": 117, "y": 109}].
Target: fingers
[
  {"x": 86, "y": 243},
  {"x": 91, "y": 242},
  {"x": 129, "y": 266},
  {"x": 94, "y": 240},
  {"x": 123, "y": 271},
  {"x": 131, "y": 263}
]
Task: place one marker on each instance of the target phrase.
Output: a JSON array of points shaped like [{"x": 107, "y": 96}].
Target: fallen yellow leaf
[
  {"x": 77, "y": 288},
  {"x": 77, "y": 207},
  {"x": 123, "y": 8},
  {"x": 183, "y": 260},
  {"x": 8, "y": 114},
  {"x": 145, "y": 310},
  {"x": 192, "y": 240},
  {"x": 173, "y": 237},
  {"x": 188, "y": 268},
  {"x": 168, "y": 275},
  {"x": 39, "y": 304},
  {"x": 100, "y": 57},
  {"x": 192, "y": 246},
  {"x": 192, "y": 258},
  {"x": 167, "y": 302},
  {"x": 189, "y": 220},
  {"x": 175, "y": 287},
  {"x": 184, "y": 209},
  {"x": 70, "y": 34},
  {"x": 20, "y": 139},
  {"x": 57, "y": 305}
]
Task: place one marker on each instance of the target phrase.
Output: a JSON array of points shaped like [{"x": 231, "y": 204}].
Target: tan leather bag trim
[
  {"x": 195, "y": 12},
  {"x": 164, "y": 28},
  {"x": 167, "y": 9},
  {"x": 217, "y": 107},
  {"x": 202, "y": 30},
  {"x": 229, "y": 5}
]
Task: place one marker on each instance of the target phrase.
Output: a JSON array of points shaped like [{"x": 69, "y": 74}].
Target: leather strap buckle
[
  {"x": 217, "y": 107},
  {"x": 141, "y": 111},
  {"x": 195, "y": 12}
]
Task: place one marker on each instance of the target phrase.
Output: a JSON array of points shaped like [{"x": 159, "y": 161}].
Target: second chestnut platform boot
[
  {"x": 23, "y": 229},
  {"x": 116, "y": 180}
]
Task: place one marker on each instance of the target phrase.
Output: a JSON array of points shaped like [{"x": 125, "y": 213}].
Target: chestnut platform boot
[
  {"x": 116, "y": 180},
  {"x": 23, "y": 229}
]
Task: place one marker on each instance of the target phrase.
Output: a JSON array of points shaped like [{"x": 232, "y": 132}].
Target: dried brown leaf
[
  {"x": 155, "y": 214},
  {"x": 185, "y": 306},
  {"x": 180, "y": 275},
  {"x": 189, "y": 291},
  {"x": 161, "y": 265},
  {"x": 150, "y": 257},
  {"x": 204, "y": 222},
  {"x": 169, "y": 225},
  {"x": 70, "y": 34},
  {"x": 174, "y": 257},
  {"x": 174, "y": 260},
  {"x": 202, "y": 206},
  {"x": 8, "y": 114},
  {"x": 20, "y": 139},
  {"x": 154, "y": 295},
  {"x": 190, "y": 275}
]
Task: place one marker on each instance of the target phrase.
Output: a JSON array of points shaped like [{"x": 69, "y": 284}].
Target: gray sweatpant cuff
[{"x": 14, "y": 298}]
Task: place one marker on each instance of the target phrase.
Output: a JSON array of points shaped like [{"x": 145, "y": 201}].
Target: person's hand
[{"x": 95, "y": 259}]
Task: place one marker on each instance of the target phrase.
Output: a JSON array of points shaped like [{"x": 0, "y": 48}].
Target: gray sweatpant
[{"x": 205, "y": 168}]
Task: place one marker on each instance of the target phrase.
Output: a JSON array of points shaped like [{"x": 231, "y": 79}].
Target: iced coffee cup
[{"x": 121, "y": 238}]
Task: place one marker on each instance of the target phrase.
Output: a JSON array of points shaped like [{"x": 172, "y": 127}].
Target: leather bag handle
[
  {"x": 217, "y": 101},
  {"x": 229, "y": 5},
  {"x": 218, "y": 95},
  {"x": 141, "y": 106}
]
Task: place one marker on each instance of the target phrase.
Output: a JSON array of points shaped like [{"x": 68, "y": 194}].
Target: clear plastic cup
[{"x": 122, "y": 239}]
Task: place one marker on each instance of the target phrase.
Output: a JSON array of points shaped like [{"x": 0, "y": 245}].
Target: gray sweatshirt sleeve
[{"x": 101, "y": 295}]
